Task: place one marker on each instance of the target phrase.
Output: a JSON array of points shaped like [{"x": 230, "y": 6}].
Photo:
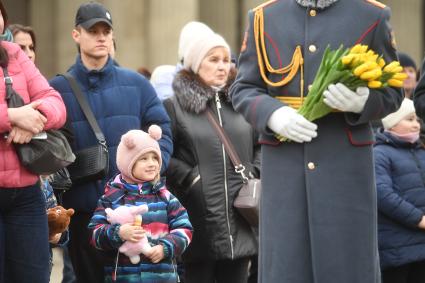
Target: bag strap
[
  {"x": 85, "y": 107},
  {"x": 8, "y": 81},
  {"x": 228, "y": 146}
]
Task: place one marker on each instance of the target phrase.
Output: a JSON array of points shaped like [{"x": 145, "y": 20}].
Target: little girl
[
  {"x": 400, "y": 181},
  {"x": 166, "y": 224}
]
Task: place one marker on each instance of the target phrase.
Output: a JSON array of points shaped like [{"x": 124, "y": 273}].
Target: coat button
[
  {"x": 312, "y": 48},
  {"x": 311, "y": 166},
  {"x": 313, "y": 13}
]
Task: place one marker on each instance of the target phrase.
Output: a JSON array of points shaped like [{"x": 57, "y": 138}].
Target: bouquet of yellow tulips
[{"x": 355, "y": 67}]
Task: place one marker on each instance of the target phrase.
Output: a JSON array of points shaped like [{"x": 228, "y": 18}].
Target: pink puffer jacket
[{"x": 32, "y": 86}]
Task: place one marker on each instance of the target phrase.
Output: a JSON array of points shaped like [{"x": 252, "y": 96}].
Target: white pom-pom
[{"x": 155, "y": 132}]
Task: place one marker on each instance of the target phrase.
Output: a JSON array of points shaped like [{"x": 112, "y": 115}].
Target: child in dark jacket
[
  {"x": 400, "y": 181},
  {"x": 166, "y": 224}
]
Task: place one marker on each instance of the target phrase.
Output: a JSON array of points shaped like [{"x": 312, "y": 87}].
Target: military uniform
[{"x": 318, "y": 208}]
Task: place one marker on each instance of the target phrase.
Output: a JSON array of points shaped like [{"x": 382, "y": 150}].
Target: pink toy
[{"x": 130, "y": 214}]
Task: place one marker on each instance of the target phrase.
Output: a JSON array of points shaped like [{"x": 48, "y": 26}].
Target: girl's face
[
  {"x": 409, "y": 124},
  {"x": 146, "y": 167},
  {"x": 25, "y": 42},
  {"x": 215, "y": 67}
]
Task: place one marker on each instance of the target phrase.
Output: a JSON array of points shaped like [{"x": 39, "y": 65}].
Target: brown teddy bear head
[{"x": 58, "y": 219}]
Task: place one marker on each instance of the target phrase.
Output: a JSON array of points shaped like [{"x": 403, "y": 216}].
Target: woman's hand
[
  {"x": 27, "y": 117},
  {"x": 20, "y": 136},
  {"x": 156, "y": 254},
  {"x": 129, "y": 232}
]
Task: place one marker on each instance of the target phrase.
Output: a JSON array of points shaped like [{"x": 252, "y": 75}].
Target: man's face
[{"x": 94, "y": 42}]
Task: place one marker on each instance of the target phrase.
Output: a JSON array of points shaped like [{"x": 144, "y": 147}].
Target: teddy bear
[
  {"x": 130, "y": 214},
  {"x": 58, "y": 219}
]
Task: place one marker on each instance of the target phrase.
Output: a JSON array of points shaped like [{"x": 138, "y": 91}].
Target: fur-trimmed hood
[{"x": 193, "y": 94}]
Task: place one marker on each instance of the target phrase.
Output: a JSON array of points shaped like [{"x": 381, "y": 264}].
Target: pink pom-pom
[
  {"x": 128, "y": 140},
  {"x": 155, "y": 132}
]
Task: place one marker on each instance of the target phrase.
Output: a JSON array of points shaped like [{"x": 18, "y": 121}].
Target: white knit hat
[
  {"x": 407, "y": 107},
  {"x": 189, "y": 32},
  {"x": 162, "y": 79},
  {"x": 199, "y": 48}
]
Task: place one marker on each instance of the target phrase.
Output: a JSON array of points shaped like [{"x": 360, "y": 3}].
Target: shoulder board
[
  {"x": 264, "y": 5},
  {"x": 376, "y": 3}
]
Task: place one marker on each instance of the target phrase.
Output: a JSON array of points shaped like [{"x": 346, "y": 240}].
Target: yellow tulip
[
  {"x": 395, "y": 83},
  {"x": 358, "y": 49},
  {"x": 399, "y": 76},
  {"x": 347, "y": 59},
  {"x": 398, "y": 69},
  {"x": 389, "y": 68},
  {"x": 381, "y": 62},
  {"x": 374, "y": 84},
  {"x": 371, "y": 75},
  {"x": 364, "y": 68}
]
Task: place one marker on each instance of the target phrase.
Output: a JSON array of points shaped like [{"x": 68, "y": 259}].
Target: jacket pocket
[{"x": 360, "y": 135}]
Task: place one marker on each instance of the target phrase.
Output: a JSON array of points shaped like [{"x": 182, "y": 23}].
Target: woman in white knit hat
[
  {"x": 400, "y": 181},
  {"x": 200, "y": 172}
]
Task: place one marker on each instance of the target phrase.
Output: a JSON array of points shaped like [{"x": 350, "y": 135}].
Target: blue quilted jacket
[
  {"x": 400, "y": 180},
  {"x": 121, "y": 100}
]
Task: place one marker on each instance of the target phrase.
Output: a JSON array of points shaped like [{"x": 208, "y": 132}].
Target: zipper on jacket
[{"x": 218, "y": 106}]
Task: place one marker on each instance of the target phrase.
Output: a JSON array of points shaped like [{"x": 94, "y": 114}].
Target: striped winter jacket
[{"x": 165, "y": 223}]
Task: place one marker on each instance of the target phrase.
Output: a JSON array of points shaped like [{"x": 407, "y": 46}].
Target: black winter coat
[{"x": 202, "y": 176}]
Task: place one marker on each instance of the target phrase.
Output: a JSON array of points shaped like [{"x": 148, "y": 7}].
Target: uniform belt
[{"x": 295, "y": 102}]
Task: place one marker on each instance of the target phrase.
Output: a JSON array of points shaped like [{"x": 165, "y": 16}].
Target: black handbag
[
  {"x": 41, "y": 156},
  {"x": 247, "y": 202},
  {"x": 91, "y": 163}
]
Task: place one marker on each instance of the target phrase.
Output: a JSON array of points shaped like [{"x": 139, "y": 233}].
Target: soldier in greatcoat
[{"x": 318, "y": 207}]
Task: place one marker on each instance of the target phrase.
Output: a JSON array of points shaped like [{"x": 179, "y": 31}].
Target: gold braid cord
[{"x": 263, "y": 60}]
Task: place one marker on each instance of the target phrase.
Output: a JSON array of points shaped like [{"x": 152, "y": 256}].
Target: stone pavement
[{"x": 56, "y": 276}]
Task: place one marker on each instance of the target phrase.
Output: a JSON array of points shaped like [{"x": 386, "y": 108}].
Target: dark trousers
[
  {"x": 410, "y": 273},
  {"x": 24, "y": 245},
  {"x": 86, "y": 260},
  {"x": 221, "y": 271}
]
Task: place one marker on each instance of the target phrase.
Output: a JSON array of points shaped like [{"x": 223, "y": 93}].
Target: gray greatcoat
[{"x": 318, "y": 209}]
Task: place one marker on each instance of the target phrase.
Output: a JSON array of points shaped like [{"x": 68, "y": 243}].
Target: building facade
[{"x": 147, "y": 31}]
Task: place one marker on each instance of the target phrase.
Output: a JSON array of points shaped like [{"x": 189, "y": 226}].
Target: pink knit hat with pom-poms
[{"x": 134, "y": 144}]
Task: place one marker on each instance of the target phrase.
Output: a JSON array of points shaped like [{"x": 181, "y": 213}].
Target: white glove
[
  {"x": 342, "y": 98},
  {"x": 286, "y": 122}
]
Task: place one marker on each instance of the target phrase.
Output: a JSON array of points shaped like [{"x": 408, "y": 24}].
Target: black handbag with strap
[
  {"x": 43, "y": 155},
  {"x": 247, "y": 202},
  {"x": 91, "y": 163}
]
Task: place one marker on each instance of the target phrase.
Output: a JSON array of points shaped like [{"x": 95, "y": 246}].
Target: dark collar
[
  {"x": 88, "y": 77},
  {"x": 320, "y": 4}
]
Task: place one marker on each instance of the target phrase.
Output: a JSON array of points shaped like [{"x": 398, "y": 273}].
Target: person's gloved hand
[
  {"x": 342, "y": 98},
  {"x": 286, "y": 122}
]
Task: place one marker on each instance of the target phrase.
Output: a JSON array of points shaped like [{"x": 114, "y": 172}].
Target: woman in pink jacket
[{"x": 24, "y": 248}]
